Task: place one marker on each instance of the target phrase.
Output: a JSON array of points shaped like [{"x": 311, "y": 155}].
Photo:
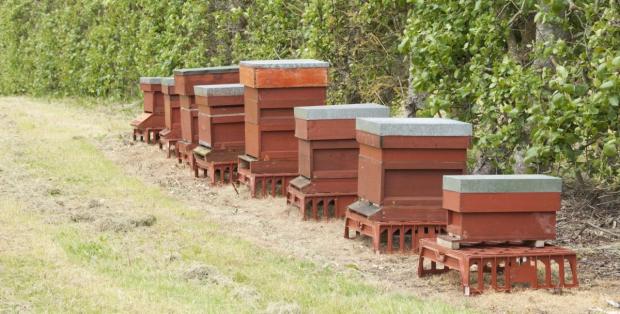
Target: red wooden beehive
[
  {"x": 151, "y": 121},
  {"x": 501, "y": 207},
  {"x": 272, "y": 89},
  {"x": 327, "y": 158},
  {"x": 488, "y": 215},
  {"x": 172, "y": 116},
  {"x": 401, "y": 165},
  {"x": 221, "y": 130},
  {"x": 185, "y": 80}
]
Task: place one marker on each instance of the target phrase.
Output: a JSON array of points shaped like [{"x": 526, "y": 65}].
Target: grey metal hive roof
[
  {"x": 350, "y": 111},
  {"x": 414, "y": 127},
  {"x": 285, "y": 63},
  {"x": 502, "y": 183}
]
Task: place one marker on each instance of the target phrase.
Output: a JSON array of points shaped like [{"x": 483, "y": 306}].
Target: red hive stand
[
  {"x": 220, "y": 131},
  {"x": 151, "y": 121},
  {"x": 501, "y": 208},
  {"x": 401, "y": 165},
  {"x": 185, "y": 80},
  {"x": 272, "y": 89},
  {"x": 327, "y": 156},
  {"x": 169, "y": 136},
  {"x": 501, "y": 266}
]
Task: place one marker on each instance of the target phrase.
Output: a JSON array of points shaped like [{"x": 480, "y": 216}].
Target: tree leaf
[
  {"x": 607, "y": 85},
  {"x": 562, "y": 72},
  {"x": 609, "y": 149}
]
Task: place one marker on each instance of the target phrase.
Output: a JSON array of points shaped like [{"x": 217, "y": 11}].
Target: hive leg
[
  {"x": 480, "y": 276},
  {"x": 572, "y": 260},
  {"x": 390, "y": 239},
  {"x": 465, "y": 277},
  {"x": 376, "y": 240},
  {"x": 421, "y": 272},
  {"x": 401, "y": 239}
]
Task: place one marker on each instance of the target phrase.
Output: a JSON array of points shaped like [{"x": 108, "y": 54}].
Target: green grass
[{"x": 75, "y": 267}]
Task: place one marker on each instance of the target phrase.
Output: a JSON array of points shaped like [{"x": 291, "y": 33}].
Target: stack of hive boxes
[
  {"x": 172, "y": 114},
  {"x": 401, "y": 165},
  {"x": 272, "y": 89},
  {"x": 151, "y": 121},
  {"x": 328, "y": 154},
  {"x": 185, "y": 80},
  {"x": 484, "y": 208},
  {"x": 220, "y": 130}
]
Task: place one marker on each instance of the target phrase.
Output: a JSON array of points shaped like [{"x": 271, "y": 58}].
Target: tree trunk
[
  {"x": 414, "y": 100},
  {"x": 546, "y": 34}
]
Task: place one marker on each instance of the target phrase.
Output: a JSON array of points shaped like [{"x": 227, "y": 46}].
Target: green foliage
[
  {"x": 360, "y": 39},
  {"x": 539, "y": 102},
  {"x": 552, "y": 101},
  {"x": 101, "y": 48}
]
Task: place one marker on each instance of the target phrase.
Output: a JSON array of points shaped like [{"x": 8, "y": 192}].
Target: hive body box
[
  {"x": 221, "y": 130},
  {"x": 151, "y": 121},
  {"x": 401, "y": 165},
  {"x": 502, "y": 207},
  {"x": 172, "y": 116},
  {"x": 272, "y": 89},
  {"x": 327, "y": 158},
  {"x": 185, "y": 80}
]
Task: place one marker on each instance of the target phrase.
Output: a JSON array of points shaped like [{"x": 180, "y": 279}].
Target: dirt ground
[{"x": 271, "y": 223}]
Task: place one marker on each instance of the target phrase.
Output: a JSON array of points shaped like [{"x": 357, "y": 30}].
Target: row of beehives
[{"x": 399, "y": 181}]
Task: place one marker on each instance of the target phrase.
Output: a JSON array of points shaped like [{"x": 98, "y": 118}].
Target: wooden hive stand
[
  {"x": 151, "y": 121},
  {"x": 327, "y": 158},
  {"x": 401, "y": 165},
  {"x": 272, "y": 89},
  {"x": 501, "y": 266},
  {"x": 220, "y": 131},
  {"x": 185, "y": 80},
  {"x": 169, "y": 136}
]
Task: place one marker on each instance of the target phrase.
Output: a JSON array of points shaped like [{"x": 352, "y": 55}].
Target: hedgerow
[{"x": 539, "y": 79}]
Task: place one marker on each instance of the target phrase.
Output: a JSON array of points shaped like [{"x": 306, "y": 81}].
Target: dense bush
[{"x": 538, "y": 78}]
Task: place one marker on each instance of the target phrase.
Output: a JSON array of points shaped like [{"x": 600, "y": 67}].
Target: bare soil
[{"x": 271, "y": 223}]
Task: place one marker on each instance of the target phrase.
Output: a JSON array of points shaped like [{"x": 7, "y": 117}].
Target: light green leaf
[
  {"x": 610, "y": 149},
  {"x": 531, "y": 154},
  {"x": 562, "y": 72},
  {"x": 607, "y": 85}
]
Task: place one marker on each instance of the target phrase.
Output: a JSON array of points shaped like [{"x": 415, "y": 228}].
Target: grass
[{"x": 49, "y": 263}]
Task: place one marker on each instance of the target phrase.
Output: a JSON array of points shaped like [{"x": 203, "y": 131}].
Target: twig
[
  {"x": 602, "y": 229},
  {"x": 232, "y": 182}
]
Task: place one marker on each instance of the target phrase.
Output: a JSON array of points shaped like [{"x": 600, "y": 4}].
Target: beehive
[
  {"x": 327, "y": 158},
  {"x": 502, "y": 207}
]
